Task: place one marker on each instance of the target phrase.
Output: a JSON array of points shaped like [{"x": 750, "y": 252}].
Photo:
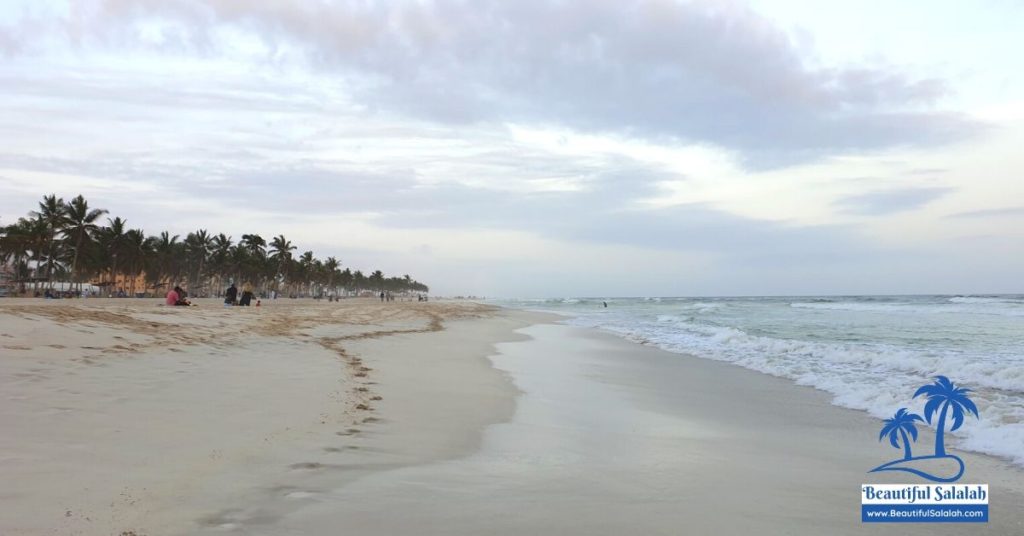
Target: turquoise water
[{"x": 870, "y": 352}]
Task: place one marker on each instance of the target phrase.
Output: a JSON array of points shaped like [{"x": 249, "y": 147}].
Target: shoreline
[
  {"x": 834, "y": 397},
  {"x": 615, "y": 437}
]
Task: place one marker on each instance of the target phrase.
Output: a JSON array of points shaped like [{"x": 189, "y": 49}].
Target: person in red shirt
[
  {"x": 172, "y": 297},
  {"x": 175, "y": 297}
]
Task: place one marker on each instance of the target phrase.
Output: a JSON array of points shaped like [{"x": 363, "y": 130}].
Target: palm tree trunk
[
  {"x": 906, "y": 444},
  {"x": 49, "y": 263},
  {"x": 113, "y": 273},
  {"x": 74, "y": 261},
  {"x": 940, "y": 441}
]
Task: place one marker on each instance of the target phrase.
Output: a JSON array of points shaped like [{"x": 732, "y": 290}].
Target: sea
[{"x": 870, "y": 352}]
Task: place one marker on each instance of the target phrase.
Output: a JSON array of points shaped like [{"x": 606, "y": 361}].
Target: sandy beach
[{"x": 302, "y": 417}]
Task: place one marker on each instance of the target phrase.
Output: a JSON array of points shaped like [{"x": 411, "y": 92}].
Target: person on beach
[
  {"x": 382, "y": 296},
  {"x": 246, "y": 295},
  {"x": 231, "y": 295},
  {"x": 172, "y": 297},
  {"x": 176, "y": 297}
]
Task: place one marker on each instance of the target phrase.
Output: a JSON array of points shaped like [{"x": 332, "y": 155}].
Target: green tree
[{"x": 80, "y": 226}]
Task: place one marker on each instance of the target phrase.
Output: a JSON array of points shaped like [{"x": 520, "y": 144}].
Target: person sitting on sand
[
  {"x": 177, "y": 297},
  {"x": 172, "y": 297}
]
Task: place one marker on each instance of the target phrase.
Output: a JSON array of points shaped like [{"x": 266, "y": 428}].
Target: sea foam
[{"x": 871, "y": 353}]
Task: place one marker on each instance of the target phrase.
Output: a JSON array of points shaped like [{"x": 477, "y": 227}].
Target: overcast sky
[{"x": 529, "y": 148}]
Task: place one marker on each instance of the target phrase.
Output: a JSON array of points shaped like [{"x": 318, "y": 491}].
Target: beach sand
[
  {"x": 124, "y": 416},
  {"x": 406, "y": 418}
]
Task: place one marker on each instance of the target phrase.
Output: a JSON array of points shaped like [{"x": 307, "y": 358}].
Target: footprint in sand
[{"x": 306, "y": 466}]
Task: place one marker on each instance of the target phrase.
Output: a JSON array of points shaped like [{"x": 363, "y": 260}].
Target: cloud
[
  {"x": 989, "y": 213},
  {"x": 676, "y": 72},
  {"x": 890, "y": 201}
]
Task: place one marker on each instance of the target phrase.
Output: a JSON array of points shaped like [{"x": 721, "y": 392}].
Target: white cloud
[{"x": 528, "y": 148}]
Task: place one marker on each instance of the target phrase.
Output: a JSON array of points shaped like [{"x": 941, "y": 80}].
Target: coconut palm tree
[
  {"x": 944, "y": 395},
  {"x": 377, "y": 280},
  {"x": 358, "y": 281},
  {"x": 897, "y": 429},
  {"x": 38, "y": 233},
  {"x": 114, "y": 239},
  {"x": 331, "y": 266},
  {"x": 281, "y": 253},
  {"x": 51, "y": 213},
  {"x": 64, "y": 240},
  {"x": 197, "y": 246},
  {"x": 164, "y": 264},
  {"x": 304, "y": 268},
  {"x": 220, "y": 253},
  {"x": 254, "y": 243},
  {"x": 345, "y": 279},
  {"x": 80, "y": 225},
  {"x": 136, "y": 254}
]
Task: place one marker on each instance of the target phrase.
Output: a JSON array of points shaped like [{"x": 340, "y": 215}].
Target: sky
[{"x": 543, "y": 148}]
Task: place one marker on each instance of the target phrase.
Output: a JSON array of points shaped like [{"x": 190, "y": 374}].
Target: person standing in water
[{"x": 231, "y": 295}]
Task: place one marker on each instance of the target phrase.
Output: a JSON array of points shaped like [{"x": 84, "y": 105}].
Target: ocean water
[{"x": 870, "y": 352}]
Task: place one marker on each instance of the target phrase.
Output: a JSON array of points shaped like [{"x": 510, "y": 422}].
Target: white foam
[
  {"x": 990, "y": 307},
  {"x": 876, "y": 378}
]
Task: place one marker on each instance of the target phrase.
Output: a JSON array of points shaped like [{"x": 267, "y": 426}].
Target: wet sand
[{"x": 610, "y": 438}]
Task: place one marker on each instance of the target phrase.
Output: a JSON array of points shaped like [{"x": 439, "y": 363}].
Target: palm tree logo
[
  {"x": 943, "y": 396},
  {"x": 897, "y": 429},
  {"x": 943, "y": 393}
]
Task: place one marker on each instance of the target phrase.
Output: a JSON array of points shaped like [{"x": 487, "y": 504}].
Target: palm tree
[
  {"x": 136, "y": 253},
  {"x": 304, "y": 269},
  {"x": 198, "y": 246},
  {"x": 897, "y": 428},
  {"x": 220, "y": 253},
  {"x": 80, "y": 224},
  {"x": 281, "y": 252},
  {"x": 945, "y": 394},
  {"x": 37, "y": 232},
  {"x": 255, "y": 261},
  {"x": 164, "y": 258},
  {"x": 331, "y": 266},
  {"x": 254, "y": 243},
  {"x": 64, "y": 241},
  {"x": 115, "y": 239},
  {"x": 51, "y": 213},
  {"x": 377, "y": 279}
]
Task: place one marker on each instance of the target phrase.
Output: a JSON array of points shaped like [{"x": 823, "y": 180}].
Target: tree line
[{"x": 64, "y": 241}]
